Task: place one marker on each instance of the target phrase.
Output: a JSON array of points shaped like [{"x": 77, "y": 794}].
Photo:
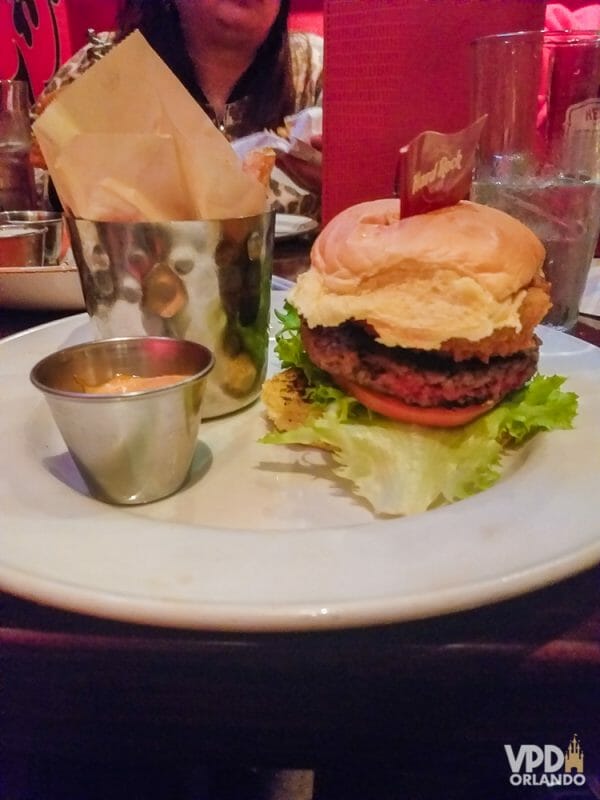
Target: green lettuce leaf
[
  {"x": 405, "y": 469},
  {"x": 289, "y": 348}
]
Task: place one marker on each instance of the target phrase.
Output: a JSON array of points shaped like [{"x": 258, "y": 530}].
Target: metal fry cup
[
  {"x": 137, "y": 446},
  {"x": 206, "y": 281}
]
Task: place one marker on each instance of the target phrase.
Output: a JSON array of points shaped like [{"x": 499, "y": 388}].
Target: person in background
[{"x": 238, "y": 60}]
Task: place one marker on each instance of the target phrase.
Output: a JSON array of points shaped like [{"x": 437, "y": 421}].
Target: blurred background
[{"x": 37, "y": 36}]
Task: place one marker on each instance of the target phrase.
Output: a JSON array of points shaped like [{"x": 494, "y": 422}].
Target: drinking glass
[
  {"x": 539, "y": 156},
  {"x": 17, "y": 187}
]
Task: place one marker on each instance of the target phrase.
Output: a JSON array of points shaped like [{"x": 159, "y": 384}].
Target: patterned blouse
[{"x": 307, "y": 72}]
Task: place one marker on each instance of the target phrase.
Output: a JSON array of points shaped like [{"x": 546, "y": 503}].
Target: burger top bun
[
  {"x": 367, "y": 246},
  {"x": 457, "y": 272}
]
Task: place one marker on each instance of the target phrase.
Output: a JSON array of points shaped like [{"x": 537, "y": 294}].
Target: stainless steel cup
[
  {"x": 207, "y": 281},
  {"x": 129, "y": 448},
  {"x": 52, "y": 221},
  {"x": 21, "y": 246}
]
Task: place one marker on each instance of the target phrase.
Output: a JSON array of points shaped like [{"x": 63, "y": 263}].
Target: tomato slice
[{"x": 433, "y": 417}]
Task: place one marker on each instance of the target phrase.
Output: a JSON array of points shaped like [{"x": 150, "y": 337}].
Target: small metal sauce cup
[
  {"x": 54, "y": 224},
  {"x": 21, "y": 246},
  {"x": 135, "y": 447}
]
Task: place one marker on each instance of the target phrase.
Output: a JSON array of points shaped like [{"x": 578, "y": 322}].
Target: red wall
[
  {"x": 307, "y": 15},
  {"x": 97, "y": 14},
  {"x": 35, "y": 39}
]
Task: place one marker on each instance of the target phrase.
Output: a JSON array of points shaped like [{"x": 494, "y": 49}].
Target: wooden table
[
  {"x": 448, "y": 691},
  {"x": 424, "y": 706}
]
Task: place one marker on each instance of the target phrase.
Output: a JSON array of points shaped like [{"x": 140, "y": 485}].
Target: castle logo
[
  {"x": 546, "y": 765},
  {"x": 574, "y": 756}
]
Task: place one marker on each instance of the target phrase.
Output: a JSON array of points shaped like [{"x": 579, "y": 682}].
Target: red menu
[{"x": 394, "y": 68}]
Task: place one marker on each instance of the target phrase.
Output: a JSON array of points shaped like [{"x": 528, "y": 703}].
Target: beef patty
[{"x": 417, "y": 377}]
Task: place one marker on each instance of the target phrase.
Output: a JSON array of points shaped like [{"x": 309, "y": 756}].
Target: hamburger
[
  {"x": 410, "y": 353},
  {"x": 429, "y": 319}
]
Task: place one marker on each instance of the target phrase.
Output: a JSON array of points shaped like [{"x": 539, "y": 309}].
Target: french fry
[{"x": 260, "y": 163}]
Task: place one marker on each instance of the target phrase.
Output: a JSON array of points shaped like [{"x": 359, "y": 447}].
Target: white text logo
[{"x": 546, "y": 765}]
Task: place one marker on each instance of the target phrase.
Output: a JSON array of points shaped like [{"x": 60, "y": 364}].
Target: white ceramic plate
[
  {"x": 288, "y": 226},
  {"x": 262, "y": 539},
  {"x": 41, "y": 288}
]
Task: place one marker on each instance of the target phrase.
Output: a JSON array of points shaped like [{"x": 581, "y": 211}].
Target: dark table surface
[{"x": 449, "y": 690}]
